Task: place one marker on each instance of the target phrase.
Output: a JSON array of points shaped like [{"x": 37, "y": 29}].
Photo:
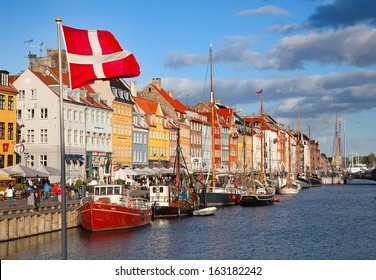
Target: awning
[{"x": 74, "y": 157}]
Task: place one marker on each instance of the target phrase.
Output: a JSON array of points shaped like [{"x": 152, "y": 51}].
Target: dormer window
[{"x": 4, "y": 78}]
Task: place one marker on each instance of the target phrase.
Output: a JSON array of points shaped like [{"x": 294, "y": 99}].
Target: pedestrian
[
  {"x": 55, "y": 190},
  {"x": 59, "y": 192},
  {"x": 46, "y": 191},
  {"x": 9, "y": 195},
  {"x": 30, "y": 199},
  {"x": 37, "y": 201}
]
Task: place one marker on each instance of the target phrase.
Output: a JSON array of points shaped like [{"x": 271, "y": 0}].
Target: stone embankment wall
[
  {"x": 24, "y": 221},
  {"x": 332, "y": 180}
]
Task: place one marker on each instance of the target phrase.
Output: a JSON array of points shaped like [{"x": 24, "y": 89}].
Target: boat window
[
  {"x": 103, "y": 190},
  {"x": 96, "y": 191},
  {"x": 161, "y": 189},
  {"x": 117, "y": 190},
  {"x": 110, "y": 190}
]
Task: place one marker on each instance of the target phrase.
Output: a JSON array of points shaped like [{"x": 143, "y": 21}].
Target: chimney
[
  {"x": 157, "y": 82},
  {"x": 171, "y": 93},
  {"x": 133, "y": 88}
]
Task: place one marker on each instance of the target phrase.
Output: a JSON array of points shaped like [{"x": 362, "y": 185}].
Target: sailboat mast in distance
[{"x": 212, "y": 117}]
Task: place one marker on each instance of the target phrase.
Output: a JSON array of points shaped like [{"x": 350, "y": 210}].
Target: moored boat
[
  {"x": 170, "y": 201},
  {"x": 290, "y": 188},
  {"x": 315, "y": 181},
  {"x": 112, "y": 208},
  {"x": 258, "y": 195},
  {"x": 304, "y": 183},
  {"x": 213, "y": 194},
  {"x": 219, "y": 197},
  {"x": 205, "y": 211}
]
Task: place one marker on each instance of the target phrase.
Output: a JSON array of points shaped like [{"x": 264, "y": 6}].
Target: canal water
[{"x": 330, "y": 222}]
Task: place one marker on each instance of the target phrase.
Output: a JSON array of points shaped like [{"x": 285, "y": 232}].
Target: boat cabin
[
  {"x": 109, "y": 193},
  {"x": 159, "y": 194}
]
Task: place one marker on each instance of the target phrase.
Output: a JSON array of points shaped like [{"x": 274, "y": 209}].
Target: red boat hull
[{"x": 99, "y": 216}]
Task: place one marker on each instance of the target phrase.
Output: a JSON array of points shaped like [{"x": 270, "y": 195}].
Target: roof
[{"x": 173, "y": 102}]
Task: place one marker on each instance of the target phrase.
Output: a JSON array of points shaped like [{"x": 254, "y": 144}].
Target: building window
[
  {"x": 33, "y": 94},
  {"x": 31, "y": 160},
  {"x": 43, "y": 113},
  {"x": 21, "y": 94},
  {"x": 30, "y": 114},
  {"x": 10, "y": 103},
  {"x": 43, "y": 136},
  {"x": 30, "y": 136},
  {"x": 43, "y": 160},
  {"x": 10, "y": 131},
  {"x": 75, "y": 116},
  {"x": 19, "y": 114},
  {"x": 75, "y": 137},
  {"x": 81, "y": 137},
  {"x": 2, "y": 102},
  {"x": 4, "y": 78},
  {"x": 2, "y": 130},
  {"x": 69, "y": 114},
  {"x": 10, "y": 160},
  {"x": 69, "y": 136},
  {"x": 1, "y": 161}
]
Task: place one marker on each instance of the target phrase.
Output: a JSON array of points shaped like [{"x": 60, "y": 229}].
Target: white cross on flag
[{"x": 96, "y": 55}]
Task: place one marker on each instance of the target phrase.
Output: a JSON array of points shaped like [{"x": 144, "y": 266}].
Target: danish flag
[
  {"x": 258, "y": 92},
  {"x": 96, "y": 55}
]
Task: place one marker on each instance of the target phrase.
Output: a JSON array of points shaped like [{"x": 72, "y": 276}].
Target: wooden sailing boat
[
  {"x": 288, "y": 186},
  {"x": 258, "y": 193},
  {"x": 212, "y": 195},
  {"x": 174, "y": 200},
  {"x": 300, "y": 175}
]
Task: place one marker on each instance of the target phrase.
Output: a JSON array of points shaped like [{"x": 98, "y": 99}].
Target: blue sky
[{"x": 313, "y": 57}]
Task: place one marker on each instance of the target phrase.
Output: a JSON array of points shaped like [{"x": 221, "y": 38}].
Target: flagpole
[{"x": 62, "y": 150}]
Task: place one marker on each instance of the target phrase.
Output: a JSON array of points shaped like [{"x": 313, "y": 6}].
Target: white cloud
[{"x": 264, "y": 10}]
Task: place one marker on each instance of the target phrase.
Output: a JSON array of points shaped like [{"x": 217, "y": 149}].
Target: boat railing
[
  {"x": 135, "y": 202},
  {"x": 85, "y": 199}
]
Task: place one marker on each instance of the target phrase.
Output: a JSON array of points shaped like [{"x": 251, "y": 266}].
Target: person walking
[
  {"x": 30, "y": 199},
  {"x": 55, "y": 190},
  {"x": 36, "y": 201},
  {"x": 59, "y": 192},
  {"x": 9, "y": 195},
  {"x": 46, "y": 191}
]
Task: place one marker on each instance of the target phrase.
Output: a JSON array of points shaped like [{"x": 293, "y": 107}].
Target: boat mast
[
  {"x": 252, "y": 171},
  {"x": 212, "y": 118},
  {"x": 262, "y": 141},
  {"x": 289, "y": 166},
  {"x": 310, "y": 152},
  {"x": 297, "y": 162},
  {"x": 177, "y": 159}
]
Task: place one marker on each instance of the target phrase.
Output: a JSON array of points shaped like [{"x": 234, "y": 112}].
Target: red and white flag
[
  {"x": 96, "y": 55},
  {"x": 259, "y": 92}
]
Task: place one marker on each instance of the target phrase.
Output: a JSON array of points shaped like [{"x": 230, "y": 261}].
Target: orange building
[{"x": 8, "y": 124}]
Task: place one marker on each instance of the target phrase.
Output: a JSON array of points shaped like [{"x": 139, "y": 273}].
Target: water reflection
[{"x": 327, "y": 222}]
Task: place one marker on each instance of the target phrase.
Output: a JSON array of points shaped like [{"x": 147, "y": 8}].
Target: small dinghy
[{"x": 205, "y": 211}]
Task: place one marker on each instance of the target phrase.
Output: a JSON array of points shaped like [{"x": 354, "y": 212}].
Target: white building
[{"x": 38, "y": 121}]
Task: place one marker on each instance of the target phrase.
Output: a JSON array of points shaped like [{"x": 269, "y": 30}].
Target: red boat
[{"x": 111, "y": 208}]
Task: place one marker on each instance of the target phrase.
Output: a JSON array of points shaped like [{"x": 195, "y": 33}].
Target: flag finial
[{"x": 58, "y": 19}]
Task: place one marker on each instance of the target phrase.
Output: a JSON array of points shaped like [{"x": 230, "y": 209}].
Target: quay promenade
[{"x": 21, "y": 220}]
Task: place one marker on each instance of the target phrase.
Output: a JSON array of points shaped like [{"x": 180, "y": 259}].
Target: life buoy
[{"x": 129, "y": 202}]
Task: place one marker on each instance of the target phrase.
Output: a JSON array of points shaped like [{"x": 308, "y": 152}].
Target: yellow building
[
  {"x": 8, "y": 124},
  {"x": 159, "y": 133},
  {"x": 122, "y": 133}
]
